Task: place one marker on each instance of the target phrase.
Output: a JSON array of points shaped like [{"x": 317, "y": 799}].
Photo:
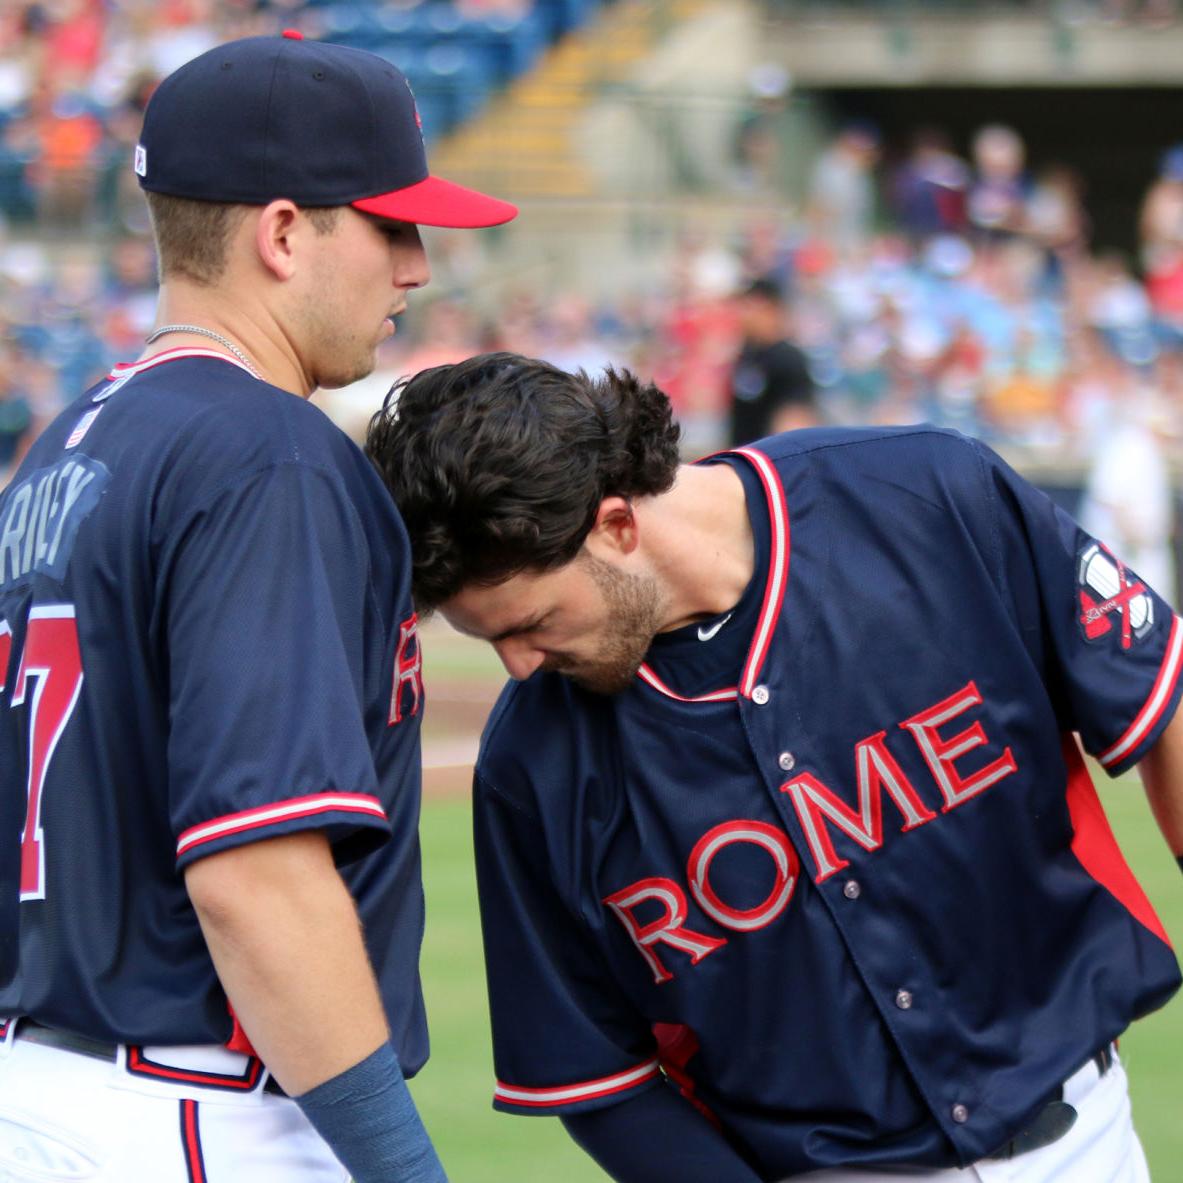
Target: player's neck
[
  {"x": 703, "y": 544},
  {"x": 245, "y": 327}
]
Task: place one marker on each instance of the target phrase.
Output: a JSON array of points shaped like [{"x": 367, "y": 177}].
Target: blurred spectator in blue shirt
[
  {"x": 999, "y": 189},
  {"x": 930, "y": 189}
]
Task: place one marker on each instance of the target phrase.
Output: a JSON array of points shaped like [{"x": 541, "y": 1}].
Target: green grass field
[{"x": 455, "y": 1089}]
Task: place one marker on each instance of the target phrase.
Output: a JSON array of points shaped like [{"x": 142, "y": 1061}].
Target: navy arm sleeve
[
  {"x": 1110, "y": 648},
  {"x": 656, "y": 1136},
  {"x": 265, "y": 597},
  {"x": 565, "y": 1038}
]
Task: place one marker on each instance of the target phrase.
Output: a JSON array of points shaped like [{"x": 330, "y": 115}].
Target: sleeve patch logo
[
  {"x": 406, "y": 695},
  {"x": 1111, "y": 598}
]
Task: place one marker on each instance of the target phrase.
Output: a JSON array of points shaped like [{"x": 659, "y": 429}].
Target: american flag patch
[{"x": 83, "y": 426}]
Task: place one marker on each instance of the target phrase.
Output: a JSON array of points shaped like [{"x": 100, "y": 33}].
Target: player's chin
[{"x": 350, "y": 370}]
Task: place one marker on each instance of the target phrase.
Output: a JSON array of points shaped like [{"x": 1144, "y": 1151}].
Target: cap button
[{"x": 293, "y": 34}]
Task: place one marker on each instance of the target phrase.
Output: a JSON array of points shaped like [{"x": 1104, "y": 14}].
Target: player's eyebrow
[{"x": 525, "y": 626}]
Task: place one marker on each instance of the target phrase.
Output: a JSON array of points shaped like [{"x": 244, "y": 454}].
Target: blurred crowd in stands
[
  {"x": 75, "y": 74},
  {"x": 1153, "y": 13},
  {"x": 960, "y": 288}
]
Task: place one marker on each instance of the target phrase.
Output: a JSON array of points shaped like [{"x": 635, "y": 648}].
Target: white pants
[
  {"x": 70, "y": 1117},
  {"x": 1101, "y": 1146}
]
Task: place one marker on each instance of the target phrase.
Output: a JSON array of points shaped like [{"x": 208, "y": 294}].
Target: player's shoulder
[
  {"x": 937, "y": 461},
  {"x": 214, "y": 423},
  {"x": 212, "y": 398},
  {"x": 542, "y": 736},
  {"x": 869, "y": 445}
]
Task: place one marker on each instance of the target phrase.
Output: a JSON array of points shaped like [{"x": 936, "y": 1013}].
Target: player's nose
[
  {"x": 520, "y": 660},
  {"x": 412, "y": 269}
]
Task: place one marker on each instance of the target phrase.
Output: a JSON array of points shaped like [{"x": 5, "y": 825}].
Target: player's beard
[
  {"x": 342, "y": 356},
  {"x": 635, "y": 611}
]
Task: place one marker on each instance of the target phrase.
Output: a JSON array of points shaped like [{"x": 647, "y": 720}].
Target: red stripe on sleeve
[
  {"x": 281, "y": 811},
  {"x": 584, "y": 1090},
  {"x": 1148, "y": 717}
]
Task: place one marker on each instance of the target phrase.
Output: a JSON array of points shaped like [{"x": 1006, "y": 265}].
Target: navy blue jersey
[
  {"x": 207, "y": 639},
  {"x": 857, "y": 898}
]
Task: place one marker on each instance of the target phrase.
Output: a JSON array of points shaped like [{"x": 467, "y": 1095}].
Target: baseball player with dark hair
[
  {"x": 210, "y": 899},
  {"x": 788, "y": 858}
]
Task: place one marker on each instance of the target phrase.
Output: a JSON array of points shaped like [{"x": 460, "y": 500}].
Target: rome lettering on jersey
[
  {"x": 196, "y": 589},
  {"x": 826, "y": 871}
]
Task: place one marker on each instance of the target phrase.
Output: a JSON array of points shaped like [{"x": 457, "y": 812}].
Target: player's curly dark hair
[{"x": 499, "y": 463}]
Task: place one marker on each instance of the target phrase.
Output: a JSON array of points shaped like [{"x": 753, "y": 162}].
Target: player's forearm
[
  {"x": 657, "y": 1136},
  {"x": 285, "y": 939},
  {"x": 1162, "y": 776}
]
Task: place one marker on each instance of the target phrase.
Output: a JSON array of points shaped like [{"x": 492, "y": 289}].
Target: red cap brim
[{"x": 433, "y": 202}]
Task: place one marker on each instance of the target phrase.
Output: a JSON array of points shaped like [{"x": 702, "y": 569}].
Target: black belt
[
  {"x": 67, "y": 1041},
  {"x": 97, "y": 1049},
  {"x": 1054, "y": 1120}
]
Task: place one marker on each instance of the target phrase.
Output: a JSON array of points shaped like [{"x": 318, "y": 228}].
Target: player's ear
[
  {"x": 614, "y": 530},
  {"x": 274, "y": 237}
]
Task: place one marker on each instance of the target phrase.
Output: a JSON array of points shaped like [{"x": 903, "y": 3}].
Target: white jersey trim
[
  {"x": 778, "y": 567},
  {"x": 774, "y": 590},
  {"x": 1151, "y": 712},
  {"x": 647, "y": 675},
  {"x": 130, "y": 369},
  {"x": 583, "y": 1091},
  {"x": 266, "y": 815}
]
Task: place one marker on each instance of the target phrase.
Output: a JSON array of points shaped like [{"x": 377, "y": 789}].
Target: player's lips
[{"x": 389, "y": 327}]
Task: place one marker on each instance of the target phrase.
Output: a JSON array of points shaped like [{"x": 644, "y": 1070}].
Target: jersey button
[
  {"x": 760, "y": 695},
  {"x": 960, "y": 1114},
  {"x": 786, "y": 760},
  {"x": 903, "y": 999},
  {"x": 851, "y": 890}
]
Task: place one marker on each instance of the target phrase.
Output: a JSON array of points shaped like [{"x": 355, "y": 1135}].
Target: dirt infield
[
  {"x": 451, "y": 782},
  {"x": 456, "y": 711}
]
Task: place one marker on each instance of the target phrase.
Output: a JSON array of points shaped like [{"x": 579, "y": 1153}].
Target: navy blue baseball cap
[{"x": 322, "y": 125}]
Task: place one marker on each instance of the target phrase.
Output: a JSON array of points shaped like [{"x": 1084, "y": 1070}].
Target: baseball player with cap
[
  {"x": 210, "y": 898},
  {"x": 789, "y": 861}
]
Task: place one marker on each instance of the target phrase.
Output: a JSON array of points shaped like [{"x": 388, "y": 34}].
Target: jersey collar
[
  {"x": 774, "y": 589},
  {"x": 130, "y": 369}
]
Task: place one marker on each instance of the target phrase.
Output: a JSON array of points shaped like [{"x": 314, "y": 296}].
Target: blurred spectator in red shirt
[{"x": 73, "y": 38}]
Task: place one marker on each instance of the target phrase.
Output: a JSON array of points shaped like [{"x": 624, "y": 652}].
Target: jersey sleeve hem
[
  {"x": 345, "y": 811},
  {"x": 581, "y": 1095},
  {"x": 1156, "y": 711}
]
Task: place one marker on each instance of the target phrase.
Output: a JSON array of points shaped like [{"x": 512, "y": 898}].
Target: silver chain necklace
[{"x": 238, "y": 353}]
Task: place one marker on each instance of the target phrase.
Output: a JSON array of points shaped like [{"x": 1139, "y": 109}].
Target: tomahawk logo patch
[{"x": 1112, "y": 598}]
